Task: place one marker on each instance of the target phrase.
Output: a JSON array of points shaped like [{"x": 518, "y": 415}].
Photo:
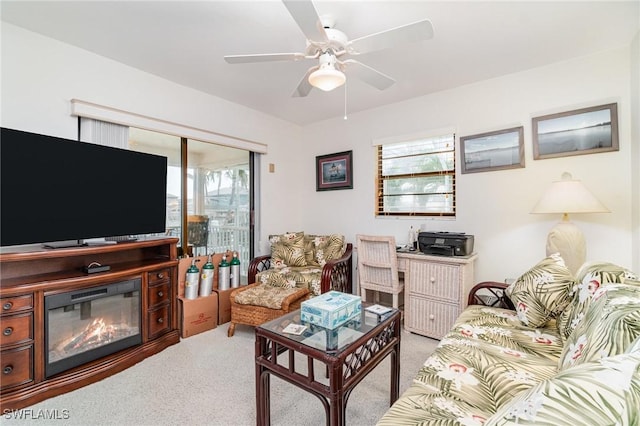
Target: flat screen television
[{"x": 60, "y": 192}]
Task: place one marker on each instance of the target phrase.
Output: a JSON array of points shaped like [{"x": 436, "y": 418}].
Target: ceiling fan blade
[
  {"x": 263, "y": 57},
  {"x": 421, "y": 30},
  {"x": 369, "y": 75},
  {"x": 306, "y": 16},
  {"x": 304, "y": 87}
]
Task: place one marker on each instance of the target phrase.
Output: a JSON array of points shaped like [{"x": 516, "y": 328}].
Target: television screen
[{"x": 54, "y": 189}]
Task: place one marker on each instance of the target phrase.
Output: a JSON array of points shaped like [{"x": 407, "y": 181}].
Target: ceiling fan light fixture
[{"x": 327, "y": 78}]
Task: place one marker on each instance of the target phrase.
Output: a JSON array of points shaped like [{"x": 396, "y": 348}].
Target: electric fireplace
[{"x": 87, "y": 324}]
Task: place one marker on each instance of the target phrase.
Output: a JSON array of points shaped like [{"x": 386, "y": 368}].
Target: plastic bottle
[
  {"x": 411, "y": 238},
  {"x": 235, "y": 270},
  {"x": 206, "y": 279},
  {"x": 223, "y": 274},
  {"x": 191, "y": 283}
]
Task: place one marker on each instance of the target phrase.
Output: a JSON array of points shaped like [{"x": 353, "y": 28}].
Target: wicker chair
[
  {"x": 378, "y": 266},
  {"x": 336, "y": 275}
]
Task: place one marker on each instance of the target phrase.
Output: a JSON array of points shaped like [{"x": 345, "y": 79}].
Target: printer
[{"x": 445, "y": 243}]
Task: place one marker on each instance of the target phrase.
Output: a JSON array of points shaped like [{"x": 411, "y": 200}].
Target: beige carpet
[{"x": 209, "y": 379}]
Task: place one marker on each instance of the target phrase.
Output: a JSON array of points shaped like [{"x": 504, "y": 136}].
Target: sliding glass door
[{"x": 209, "y": 192}]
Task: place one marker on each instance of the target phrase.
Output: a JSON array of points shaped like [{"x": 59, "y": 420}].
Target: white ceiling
[{"x": 185, "y": 42}]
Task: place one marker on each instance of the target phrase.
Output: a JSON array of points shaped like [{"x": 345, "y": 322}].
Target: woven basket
[{"x": 255, "y": 315}]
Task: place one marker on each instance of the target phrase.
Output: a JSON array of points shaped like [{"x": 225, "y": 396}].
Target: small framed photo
[
  {"x": 581, "y": 131},
  {"x": 499, "y": 150},
  {"x": 334, "y": 171}
]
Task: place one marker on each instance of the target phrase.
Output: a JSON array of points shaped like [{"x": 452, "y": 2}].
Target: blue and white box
[{"x": 331, "y": 309}]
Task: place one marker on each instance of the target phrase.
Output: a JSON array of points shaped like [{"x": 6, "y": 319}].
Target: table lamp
[{"x": 566, "y": 196}]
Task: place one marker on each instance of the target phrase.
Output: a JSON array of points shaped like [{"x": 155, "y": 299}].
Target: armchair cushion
[
  {"x": 288, "y": 250},
  {"x": 292, "y": 277},
  {"x": 542, "y": 292}
]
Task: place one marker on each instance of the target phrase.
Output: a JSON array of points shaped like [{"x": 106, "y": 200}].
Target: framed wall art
[
  {"x": 334, "y": 171},
  {"x": 499, "y": 150},
  {"x": 581, "y": 131}
]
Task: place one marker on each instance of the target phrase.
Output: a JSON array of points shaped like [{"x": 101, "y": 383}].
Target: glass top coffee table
[{"x": 348, "y": 354}]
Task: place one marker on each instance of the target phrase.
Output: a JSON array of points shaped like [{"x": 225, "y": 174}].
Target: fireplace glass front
[{"x": 87, "y": 324}]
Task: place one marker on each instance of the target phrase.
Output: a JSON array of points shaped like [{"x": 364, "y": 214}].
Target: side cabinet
[
  {"x": 16, "y": 341},
  {"x": 436, "y": 291}
]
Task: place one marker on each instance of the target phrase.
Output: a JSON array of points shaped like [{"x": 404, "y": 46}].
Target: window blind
[{"x": 416, "y": 177}]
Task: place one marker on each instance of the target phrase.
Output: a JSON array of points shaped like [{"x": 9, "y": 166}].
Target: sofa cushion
[
  {"x": 589, "y": 278},
  {"x": 542, "y": 292},
  {"x": 287, "y": 250},
  {"x": 611, "y": 325},
  {"x": 319, "y": 249},
  {"x": 604, "y": 392},
  {"x": 289, "y": 277},
  {"x": 481, "y": 364}
]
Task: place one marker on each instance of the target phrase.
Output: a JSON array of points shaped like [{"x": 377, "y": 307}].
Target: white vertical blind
[{"x": 103, "y": 133}]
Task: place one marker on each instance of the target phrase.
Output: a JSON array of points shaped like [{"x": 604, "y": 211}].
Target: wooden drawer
[
  {"x": 16, "y": 304},
  {"x": 17, "y": 366},
  {"x": 16, "y": 328},
  {"x": 159, "y": 320},
  {"x": 159, "y": 276},
  {"x": 430, "y": 318},
  {"x": 158, "y": 294},
  {"x": 440, "y": 281}
]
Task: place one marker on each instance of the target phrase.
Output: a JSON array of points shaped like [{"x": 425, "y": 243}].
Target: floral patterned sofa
[
  {"x": 568, "y": 354},
  {"x": 317, "y": 262}
]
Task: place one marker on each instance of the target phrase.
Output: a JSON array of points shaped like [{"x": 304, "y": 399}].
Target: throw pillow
[
  {"x": 542, "y": 292},
  {"x": 326, "y": 248},
  {"x": 590, "y": 278},
  {"x": 611, "y": 325},
  {"x": 287, "y": 250},
  {"x": 605, "y": 392},
  {"x": 310, "y": 249}
]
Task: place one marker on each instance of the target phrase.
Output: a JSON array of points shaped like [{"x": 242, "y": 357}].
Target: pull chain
[{"x": 345, "y": 100}]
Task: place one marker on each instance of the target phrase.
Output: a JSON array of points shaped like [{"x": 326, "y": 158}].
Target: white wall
[
  {"x": 494, "y": 206},
  {"x": 41, "y": 75},
  {"x": 635, "y": 150}
]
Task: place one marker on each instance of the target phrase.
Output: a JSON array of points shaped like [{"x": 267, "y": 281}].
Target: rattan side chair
[{"x": 378, "y": 267}]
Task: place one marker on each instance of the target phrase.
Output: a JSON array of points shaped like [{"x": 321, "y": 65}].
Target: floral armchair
[{"x": 317, "y": 262}]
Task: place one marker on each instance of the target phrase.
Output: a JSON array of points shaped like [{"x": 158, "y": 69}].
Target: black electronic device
[
  {"x": 445, "y": 243},
  {"x": 55, "y": 190},
  {"x": 95, "y": 267}
]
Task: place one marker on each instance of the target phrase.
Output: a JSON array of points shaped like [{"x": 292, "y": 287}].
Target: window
[{"x": 417, "y": 177}]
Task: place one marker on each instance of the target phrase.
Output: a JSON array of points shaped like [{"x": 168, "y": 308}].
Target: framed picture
[
  {"x": 334, "y": 171},
  {"x": 499, "y": 150},
  {"x": 577, "y": 132}
]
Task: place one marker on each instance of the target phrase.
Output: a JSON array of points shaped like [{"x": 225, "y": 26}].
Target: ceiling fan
[{"x": 328, "y": 46}]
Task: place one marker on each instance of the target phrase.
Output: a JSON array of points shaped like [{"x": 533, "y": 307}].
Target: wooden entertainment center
[{"x": 30, "y": 273}]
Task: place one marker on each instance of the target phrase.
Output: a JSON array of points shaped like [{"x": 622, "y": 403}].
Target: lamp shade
[
  {"x": 327, "y": 78},
  {"x": 568, "y": 195}
]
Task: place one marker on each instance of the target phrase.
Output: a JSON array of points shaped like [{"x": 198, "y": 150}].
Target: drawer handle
[
  {"x": 7, "y": 369},
  {"x": 432, "y": 317},
  {"x": 160, "y": 320},
  {"x": 7, "y": 306},
  {"x": 160, "y": 275},
  {"x": 160, "y": 294},
  {"x": 7, "y": 331},
  {"x": 433, "y": 280}
]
